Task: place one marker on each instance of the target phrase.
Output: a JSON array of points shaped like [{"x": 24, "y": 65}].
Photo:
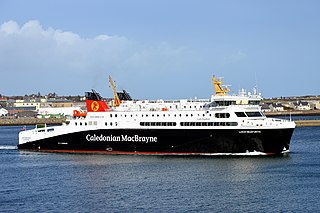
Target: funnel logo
[{"x": 95, "y": 106}]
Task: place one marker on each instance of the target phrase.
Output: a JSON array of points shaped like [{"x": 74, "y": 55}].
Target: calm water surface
[{"x": 51, "y": 182}]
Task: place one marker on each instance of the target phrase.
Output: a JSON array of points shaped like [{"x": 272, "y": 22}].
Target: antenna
[{"x": 256, "y": 82}]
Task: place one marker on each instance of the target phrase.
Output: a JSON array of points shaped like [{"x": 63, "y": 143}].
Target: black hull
[{"x": 168, "y": 141}]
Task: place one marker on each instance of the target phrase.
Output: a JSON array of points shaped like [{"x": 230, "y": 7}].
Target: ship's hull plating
[{"x": 167, "y": 141}]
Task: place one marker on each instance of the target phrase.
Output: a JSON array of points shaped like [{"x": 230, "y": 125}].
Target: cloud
[
  {"x": 9, "y": 27},
  {"x": 34, "y": 58},
  {"x": 102, "y": 37}
]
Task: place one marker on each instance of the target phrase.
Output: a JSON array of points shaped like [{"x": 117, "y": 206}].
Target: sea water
[{"x": 53, "y": 182}]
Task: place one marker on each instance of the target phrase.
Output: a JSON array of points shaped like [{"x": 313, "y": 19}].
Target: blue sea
[{"x": 53, "y": 182}]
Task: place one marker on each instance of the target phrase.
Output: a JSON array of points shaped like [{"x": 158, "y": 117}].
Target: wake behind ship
[{"x": 224, "y": 125}]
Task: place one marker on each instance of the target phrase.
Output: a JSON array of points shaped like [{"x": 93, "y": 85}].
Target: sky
[{"x": 159, "y": 49}]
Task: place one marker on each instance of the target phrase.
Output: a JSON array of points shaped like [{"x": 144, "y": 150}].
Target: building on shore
[
  {"x": 302, "y": 105},
  {"x": 32, "y": 106},
  {"x": 3, "y": 112},
  {"x": 56, "y": 112},
  {"x": 272, "y": 107}
]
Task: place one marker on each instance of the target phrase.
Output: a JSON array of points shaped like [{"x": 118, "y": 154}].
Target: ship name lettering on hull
[{"x": 121, "y": 138}]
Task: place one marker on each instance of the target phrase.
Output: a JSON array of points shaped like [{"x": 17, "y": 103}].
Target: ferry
[{"x": 223, "y": 125}]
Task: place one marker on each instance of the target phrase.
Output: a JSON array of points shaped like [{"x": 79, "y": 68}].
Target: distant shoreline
[
  {"x": 294, "y": 112},
  {"x": 59, "y": 121}
]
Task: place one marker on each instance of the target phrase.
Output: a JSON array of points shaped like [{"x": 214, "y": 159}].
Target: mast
[{"x": 217, "y": 87}]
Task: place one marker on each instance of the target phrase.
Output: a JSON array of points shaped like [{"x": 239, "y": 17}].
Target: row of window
[
  {"x": 189, "y": 124},
  {"x": 222, "y": 115},
  {"x": 216, "y": 115},
  {"x": 90, "y": 123},
  {"x": 158, "y": 123},
  {"x": 228, "y": 103},
  {"x": 167, "y": 123},
  {"x": 95, "y": 123},
  {"x": 225, "y": 103},
  {"x": 208, "y": 123}
]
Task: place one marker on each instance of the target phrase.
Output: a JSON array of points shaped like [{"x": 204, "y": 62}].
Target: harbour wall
[{"x": 30, "y": 121}]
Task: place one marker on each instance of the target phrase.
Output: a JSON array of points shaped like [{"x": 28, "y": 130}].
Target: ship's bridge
[{"x": 236, "y": 100}]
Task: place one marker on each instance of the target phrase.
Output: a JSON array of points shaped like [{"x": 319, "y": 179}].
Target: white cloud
[
  {"x": 102, "y": 37},
  {"x": 37, "y": 59},
  {"x": 9, "y": 27}
]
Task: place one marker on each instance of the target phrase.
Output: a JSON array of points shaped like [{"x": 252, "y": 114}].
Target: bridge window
[
  {"x": 241, "y": 114},
  {"x": 225, "y": 103},
  {"x": 254, "y": 114},
  {"x": 254, "y": 102}
]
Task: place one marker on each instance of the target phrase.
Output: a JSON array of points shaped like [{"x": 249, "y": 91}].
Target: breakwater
[
  {"x": 30, "y": 121},
  {"x": 307, "y": 122}
]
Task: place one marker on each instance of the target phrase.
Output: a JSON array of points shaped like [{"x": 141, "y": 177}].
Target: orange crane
[{"x": 115, "y": 94}]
